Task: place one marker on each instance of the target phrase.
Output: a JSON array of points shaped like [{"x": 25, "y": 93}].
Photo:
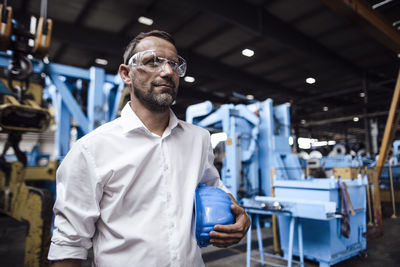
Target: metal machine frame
[
  {"x": 62, "y": 82},
  {"x": 258, "y": 140}
]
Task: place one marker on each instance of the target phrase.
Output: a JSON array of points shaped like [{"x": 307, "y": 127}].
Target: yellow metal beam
[
  {"x": 383, "y": 151},
  {"x": 275, "y": 226},
  {"x": 41, "y": 173},
  {"x": 388, "y": 128}
]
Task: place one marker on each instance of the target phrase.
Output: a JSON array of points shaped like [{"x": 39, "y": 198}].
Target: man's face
[{"x": 156, "y": 90}]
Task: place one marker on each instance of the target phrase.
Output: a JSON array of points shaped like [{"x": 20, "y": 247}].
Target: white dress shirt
[{"x": 130, "y": 193}]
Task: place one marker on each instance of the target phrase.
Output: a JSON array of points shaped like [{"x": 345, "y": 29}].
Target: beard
[{"x": 158, "y": 101}]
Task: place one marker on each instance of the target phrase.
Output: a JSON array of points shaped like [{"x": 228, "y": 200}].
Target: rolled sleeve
[
  {"x": 77, "y": 205},
  {"x": 61, "y": 252}
]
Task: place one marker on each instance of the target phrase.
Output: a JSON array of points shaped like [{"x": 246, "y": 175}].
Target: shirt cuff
[{"x": 62, "y": 252}]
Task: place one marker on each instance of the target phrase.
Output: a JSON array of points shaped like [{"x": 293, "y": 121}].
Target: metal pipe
[
  {"x": 369, "y": 204},
  {"x": 392, "y": 191}
]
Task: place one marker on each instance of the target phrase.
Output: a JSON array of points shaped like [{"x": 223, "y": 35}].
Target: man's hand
[{"x": 228, "y": 235}]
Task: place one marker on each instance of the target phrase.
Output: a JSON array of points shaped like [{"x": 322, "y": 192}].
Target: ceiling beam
[
  {"x": 188, "y": 21},
  {"x": 238, "y": 47},
  {"x": 244, "y": 82},
  {"x": 189, "y": 92},
  {"x": 376, "y": 24},
  {"x": 99, "y": 41},
  {"x": 138, "y": 11},
  {"x": 81, "y": 16},
  {"x": 89, "y": 39},
  {"x": 216, "y": 32},
  {"x": 84, "y": 11},
  {"x": 378, "y": 102},
  {"x": 345, "y": 118},
  {"x": 258, "y": 21}
]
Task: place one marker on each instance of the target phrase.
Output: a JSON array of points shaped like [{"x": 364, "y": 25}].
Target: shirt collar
[
  {"x": 173, "y": 122},
  {"x": 130, "y": 121}
]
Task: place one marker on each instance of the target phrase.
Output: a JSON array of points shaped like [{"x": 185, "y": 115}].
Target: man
[{"x": 127, "y": 188}]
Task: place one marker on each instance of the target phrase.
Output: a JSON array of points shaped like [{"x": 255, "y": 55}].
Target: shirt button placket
[{"x": 170, "y": 224}]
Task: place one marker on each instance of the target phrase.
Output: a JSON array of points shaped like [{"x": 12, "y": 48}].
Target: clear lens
[{"x": 149, "y": 61}]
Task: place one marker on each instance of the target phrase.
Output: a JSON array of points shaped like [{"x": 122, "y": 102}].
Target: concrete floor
[{"x": 381, "y": 251}]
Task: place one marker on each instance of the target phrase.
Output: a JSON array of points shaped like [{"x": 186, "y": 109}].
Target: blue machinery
[
  {"x": 329, "y": 214},
  {"x": 62, "y": 83},
  {"x": 252, "y": 140},
  {"x": 25, "y": 183},
  {"x": 27, "y": 81}
]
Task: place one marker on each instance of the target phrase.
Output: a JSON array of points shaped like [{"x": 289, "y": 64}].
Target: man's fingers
[
  {"x": 231, "y": 228},
  {"x": 224, "y": 243},
  {"x": 241, "y": 225},
  {"x": 226, "y": 236},
  {"x": 237, "y": 210}
]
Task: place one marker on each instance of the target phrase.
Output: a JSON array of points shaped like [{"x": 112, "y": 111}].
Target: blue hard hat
[{"x": 212, "y": 206}]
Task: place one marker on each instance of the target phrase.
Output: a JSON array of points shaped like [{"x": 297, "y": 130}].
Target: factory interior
[{"x": 301, "y": 100}]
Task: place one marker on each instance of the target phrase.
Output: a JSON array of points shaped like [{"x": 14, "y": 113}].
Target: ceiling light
[
  {"x": 305, "y": 143},
  {"x": 32, "y": 25},
  {"x": 101, "y": 61},
  {"x": 320, "y": 143},
  {"x": 248, "y": 52},
  {"x": 362, "y": 94},
  {"x": 250, "y": 97},
  {"x": 356, "y": 119},
  {"x": 145, "y": 20},
  {"x": 310, "y": 80},
  {"x": 325, "y": 108},
  {"x": 189, "y": 79}
]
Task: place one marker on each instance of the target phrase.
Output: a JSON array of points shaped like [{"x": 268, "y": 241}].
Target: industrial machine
[
  {"x": 257, "y": 143},
  {"x": 292, "y": 209},
  {"x": 22, "y": 110},
  {"x": 27, "y": 87},
  {"x": 27, "y": 188},
  {"x": 389, "y": 180},
  {"x": 259, "y": 163},
  {"x": 328, "y": 241}
]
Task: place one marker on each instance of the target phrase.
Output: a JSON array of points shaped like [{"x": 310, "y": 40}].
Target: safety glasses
[{"x": 149, "y": 60}]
